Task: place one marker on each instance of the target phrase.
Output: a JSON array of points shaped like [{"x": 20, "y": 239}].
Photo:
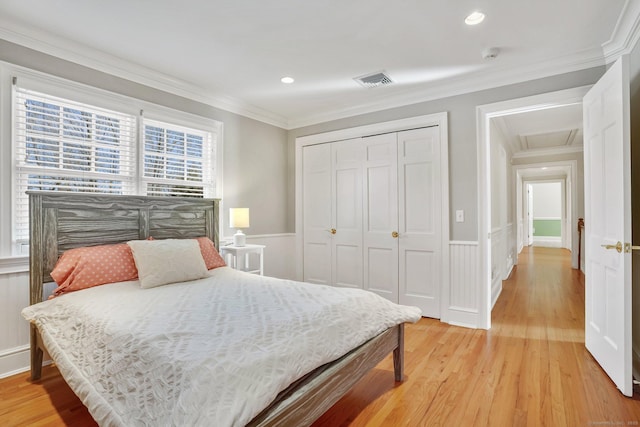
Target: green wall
[{"x": 546, "y": 227}]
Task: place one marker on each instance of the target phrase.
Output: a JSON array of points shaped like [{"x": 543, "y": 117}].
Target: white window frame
[{"x": 66, "y": 89}]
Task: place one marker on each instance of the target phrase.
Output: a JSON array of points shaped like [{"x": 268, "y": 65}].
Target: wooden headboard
[{"x": 61, "y": 221}]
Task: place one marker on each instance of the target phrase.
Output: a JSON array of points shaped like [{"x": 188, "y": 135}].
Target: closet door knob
[
  {"x": 394, "y": 234},
  {"x": 332, "y": 231}
]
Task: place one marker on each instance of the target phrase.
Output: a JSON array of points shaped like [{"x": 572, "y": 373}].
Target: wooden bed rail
[{"x": 327, "y": 384}]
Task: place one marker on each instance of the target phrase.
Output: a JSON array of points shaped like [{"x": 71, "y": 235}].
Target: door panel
[
  {"x": 346, "y": 190},
  {"x": 380, "y": 278},
  {"x": 419, "y": 204},
  {"x": 381, "y": 216},
  {"x": 419, "y": 211},
  {"x": 348, "y": 265},
  {"x": 418, "y": 265},
  {"x": 608, "y": 221},
  {"x": 317, "y": 213}
]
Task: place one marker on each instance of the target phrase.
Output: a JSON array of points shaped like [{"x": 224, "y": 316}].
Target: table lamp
[{"x": 239, "y": 219}]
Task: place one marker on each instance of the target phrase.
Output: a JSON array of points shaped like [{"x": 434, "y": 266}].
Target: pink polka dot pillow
[
  {"x": 212, "y": 258},
  {"x": 82, "y": 268}
]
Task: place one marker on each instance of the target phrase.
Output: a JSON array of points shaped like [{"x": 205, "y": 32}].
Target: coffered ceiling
[{"x": 545, "y": 131}]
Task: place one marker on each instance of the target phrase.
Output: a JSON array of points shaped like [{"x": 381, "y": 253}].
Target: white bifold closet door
[
  {"x": 420, "y": 219},
  {"x": 332, "y": 203},
  {"x": 317, "y": 208},
  {"x": 372, "y": 216},
  {"x": 346, "y": 189},
  {"x": 381, "y": 215},
  {"x": 402, "y": 223}
]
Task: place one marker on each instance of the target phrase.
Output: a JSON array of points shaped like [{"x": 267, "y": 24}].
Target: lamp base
[{"x": 239, "y": 239}]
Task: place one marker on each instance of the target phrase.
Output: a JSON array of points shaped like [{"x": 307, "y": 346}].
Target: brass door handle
[
  {"x": 333, "y": 231},
  {"x": 617, "y": 247},
  {"x": 394, "y": 234}
]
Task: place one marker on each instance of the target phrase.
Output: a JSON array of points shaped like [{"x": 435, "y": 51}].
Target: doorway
[
  {"x": 545, "y": 213},
  {"x": 539, "y": 157}
]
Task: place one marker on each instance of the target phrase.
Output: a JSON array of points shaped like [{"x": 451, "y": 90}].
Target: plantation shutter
[
  {"x": 176, "y": 160},
  {"x": 63, "y": 145}
]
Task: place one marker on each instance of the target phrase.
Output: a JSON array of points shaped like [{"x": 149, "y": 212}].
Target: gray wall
[
  {"x": 255, "y": 158},
  {"x": 462, "y": 136},
  {"x": 259, "y": 159}
]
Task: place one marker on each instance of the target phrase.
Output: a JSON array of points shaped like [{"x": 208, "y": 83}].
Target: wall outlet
[{"x": 459, "y": 215}]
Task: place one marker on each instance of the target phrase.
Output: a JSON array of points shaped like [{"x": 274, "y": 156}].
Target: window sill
[{"x": 14, "y": 264}]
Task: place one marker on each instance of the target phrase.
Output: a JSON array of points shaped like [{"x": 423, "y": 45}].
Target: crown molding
[
  {"x": 82, "y": 55},
  {"x": 548, "y": 151},
  {"x": 624, "y": 38},
  {"x": 488, "y": 79},
  {"x": 626, "y": 32}
]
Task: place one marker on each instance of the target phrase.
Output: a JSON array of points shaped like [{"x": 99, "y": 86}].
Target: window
[
  {"x": 175, "y": 160},
  {"x": 61, "y": 144}
]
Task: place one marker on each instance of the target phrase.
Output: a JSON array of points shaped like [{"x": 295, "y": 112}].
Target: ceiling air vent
[{"x": 374, "y": 80}]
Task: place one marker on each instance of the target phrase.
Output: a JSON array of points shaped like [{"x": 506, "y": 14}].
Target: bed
[{"x": 230, "y": 330}]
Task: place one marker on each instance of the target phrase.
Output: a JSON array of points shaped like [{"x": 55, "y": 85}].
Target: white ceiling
[{"x": 232, "y": 53}]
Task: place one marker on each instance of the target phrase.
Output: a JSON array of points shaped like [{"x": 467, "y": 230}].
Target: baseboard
[
  {"x": 547, "y": 241},
  {"x": 466, "y": 318},
  {"x": 14, "y": 361},
  {"x": 495, "y": 293}
]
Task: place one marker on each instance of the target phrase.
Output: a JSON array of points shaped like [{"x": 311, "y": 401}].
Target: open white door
[{"x": 607, "y": 192}]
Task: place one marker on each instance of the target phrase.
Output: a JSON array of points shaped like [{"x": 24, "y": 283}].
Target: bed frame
[{"x": 61, "y": 221}]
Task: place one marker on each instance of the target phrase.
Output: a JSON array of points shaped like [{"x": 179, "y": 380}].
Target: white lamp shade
[{"x": 239, "y": 217}]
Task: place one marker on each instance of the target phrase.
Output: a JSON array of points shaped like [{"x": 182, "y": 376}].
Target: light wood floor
[{"x": 530, "y": 369}]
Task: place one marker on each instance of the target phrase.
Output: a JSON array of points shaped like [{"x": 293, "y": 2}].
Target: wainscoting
[
  {"x": 279, "y": 254},
  {"x": 503, "y": 255},
  {"x": 464, "y": 285},
  {"x": 14, "y": 333}
]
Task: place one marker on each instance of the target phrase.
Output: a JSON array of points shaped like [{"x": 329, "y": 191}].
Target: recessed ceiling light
[
  {"x": 474, "y": 18},
  {"x": 287, "y": 80}
]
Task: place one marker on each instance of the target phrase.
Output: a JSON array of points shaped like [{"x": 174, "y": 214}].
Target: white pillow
[{"x": 160, "y": 262}]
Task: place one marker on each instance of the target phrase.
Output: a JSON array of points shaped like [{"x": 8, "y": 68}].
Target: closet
[{"x": 372, "y": 215}]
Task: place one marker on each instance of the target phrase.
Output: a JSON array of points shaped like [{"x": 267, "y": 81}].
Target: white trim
[
  {"x": 14, "y": 350},
  {"x": 464, "y": 242},
  {"x": 626, "y": 33},
  {"x": 623, "y": 39},
  {"x": 483, "y": 114},
  {"x": 12, "y": 265},
  {"x": 548, "y": 152},
  {"x": 569, "y": 231},
  {"x": 229, "y": 239},
  {"x": 72, "y": 51},
  {"x": 373, "y": 129},
  {"x": 467, "y": 84}
]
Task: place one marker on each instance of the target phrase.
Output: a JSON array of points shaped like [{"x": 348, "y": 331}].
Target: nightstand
[{"x": 236, "y": 253}]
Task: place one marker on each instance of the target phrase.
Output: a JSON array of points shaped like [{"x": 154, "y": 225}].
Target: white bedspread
[{"x": 212, "y": 352}]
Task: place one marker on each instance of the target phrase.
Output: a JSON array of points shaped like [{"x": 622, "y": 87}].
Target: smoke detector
[
  {"x": 490, "y": 53},
  {"x": 374, "y": 80}
]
